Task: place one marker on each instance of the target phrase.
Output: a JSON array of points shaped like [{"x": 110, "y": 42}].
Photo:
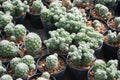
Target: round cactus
[
  {"x": 52, "y": 61},
  {"x": 117, "y": 20},
  {"x": 45, "y": 76},
  {"x": 9, "y": 49},
  {"x": 9, "y": 29},
  {"x": 96, "y": 24},
  {"x": 33, "y": 43},
  {"x": 13, "y": 38},
  {"x": 19, "y": 31},
  {"x": 2, "y": 70},
  {"x": 14, "y": 62},
  {"x": 29, "y": 60},
  {"x": 6, "y": 77},
  {"x": 21, "y": 70}
]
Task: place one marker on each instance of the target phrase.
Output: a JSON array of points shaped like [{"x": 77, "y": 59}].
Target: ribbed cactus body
[
  {"x": 6, "y": 77},
  {"x": 33, "y": 43}
]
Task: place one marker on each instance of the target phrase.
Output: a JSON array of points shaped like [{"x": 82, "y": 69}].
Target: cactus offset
[
  {"x": 44, "y": 76},
  {"x": 96, "y": 24},
  {"x": 15, "y": 61},
  {"x": 52, "y": 61}
]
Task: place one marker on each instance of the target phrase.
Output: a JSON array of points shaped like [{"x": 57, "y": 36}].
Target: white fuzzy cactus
[
  {"x": 96, "y": 24},
  {"x": 15, "y": 61},
  {"x": 6, "y": 77},
  {"x": 44, "y": 76},
  {"x": 33, "y": 43},
  {"x": 52, "y": 61}
]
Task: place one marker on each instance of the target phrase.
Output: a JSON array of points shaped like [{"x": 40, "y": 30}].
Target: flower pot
[
  {"x": 20, "y": 19},
  {"x": 35, "y": 76},
  {"x": 58, "y": 72},
  {"x": 109, "y": 51},
  {"x": 101, "y": 29},
  {"x": 11, "y": 72},
  {"x": 111, "y": 24},
  {"x": 90, "y": 75},
  {"x": 94, "y": 14}
]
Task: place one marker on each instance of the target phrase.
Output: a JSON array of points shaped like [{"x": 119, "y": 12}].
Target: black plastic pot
[
  {"x": 25, "y": 78},
  {"x": 77, "y": 74},
  {"x": 20, "y": 19},
  {"x": 110, "y": 9},
  {"x": 48, "y": 27},
  {"x": 35, "y": 20},
  {"x": 59, "y": 75},
  {"x": 38, "y": 75},
  {"x": 88, "y": 74},
  {"x": 109, "y": 51}
]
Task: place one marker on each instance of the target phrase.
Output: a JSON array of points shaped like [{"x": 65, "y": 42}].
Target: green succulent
[
  {"x": 2, "y": 70},
  {"x": 15, "y": 61},
  {"x": 107, "y": 2},
  {"x": 6, "y": 77}
]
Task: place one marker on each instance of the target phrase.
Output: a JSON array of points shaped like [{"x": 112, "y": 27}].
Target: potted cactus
[
  {"x": 101, "y": 12},
  {"x": 22, "y": 67},
  {"x": 9, "y": 49},
  {"x": 59, "y": 41},
  {"x": 98, "y": 24},
  {"x": 80, "y": 60},
  {"x": 17, "y": 9},
  {"x": 104, "y": 71},
  {"x": 113, "y": 23},
  {"x": 2, "y": 69},
  {"x": 42, "y": 76},
  {"x": 35, "y": 13},
  {"x": 5, "y": 18},
  {"x": 84, "y": 4},
  {"x": 6, "y": 77},
  {"x": 52, "y": 63},
  {"x": 111, "y": 44}
]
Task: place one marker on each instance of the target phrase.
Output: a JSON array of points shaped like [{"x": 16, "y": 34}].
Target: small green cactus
[
  {"x": 107, "y": 2},
  {"x": 19, "y": 31},
  {"x": 33, "y": 43},
  {"x": 2, "y": 70},
  {"x": 44, "y": 76},
  {"x": 6, "y": 77},
  {"x": 9, "y": 49},
  {"x": 52, "y": 61},
  {"x": 15, "y": 61},
  {"x": 60, "y": 40},
  {"x": 9, "y": 29},
  {"x": 21, "y": 70},
  {"x": 29, "y": 60},
  {"x": 117, "y": 20},
  {"x": 96, "y": 24}
]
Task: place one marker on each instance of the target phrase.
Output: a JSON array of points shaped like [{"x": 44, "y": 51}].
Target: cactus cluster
[
  {"x": 102, "y": 10},
  {"x": 72, "y": 21},
  {"x": 5, "y": 18},
  {"x": 6, "y": 77},
  {"x": 113, "y": 37},
  {"x": 44, "y": 76},
  {"x": 106, "y": 71},
  {"x": 22, "y": 66},
  {"x": 8, "y": 49},
  {"x": 60, "y": 40},
  {"x": 96, "y": 24},
  {"x": 33, "y": 43},
  {"x": 93, "y": 38},
  {"x": 82, "y": 55},
  {"x": 52, "y": 61},
  {"x": 15, "y": 7},
  {"x": 2, "y": 69}
]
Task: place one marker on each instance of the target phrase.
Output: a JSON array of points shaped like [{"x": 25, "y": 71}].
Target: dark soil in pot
[
  {"x": 36, "y": 76},
  {"x": 101, "y": 29},
  {"x": 11, "y": 72},
  {"x": 95, "y": 14},
  {"x": 77, "y": 72},
  {"x": 57, "y": 72}
]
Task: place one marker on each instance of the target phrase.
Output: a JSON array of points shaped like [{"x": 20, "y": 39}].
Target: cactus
[
  {"x": 21, "y": 70},
  {"x": 44, "y": 76},
  {"x": 112, "y": 62},
  {"x": 6, "y": 77},
  {"x": 33, "y": 43},
  {"x": 60, "y": 40},
  {"x": 107, "y": 2},
  {"x": 52, "y": 61},
  {"x": 19, "y": 79},
  {"x": 29, "y": 60},
  {"x": 102, "y": 10},
  {"x": 80, "y": 56},
  {"x": 15, "y": 61},
  {"x": 9, "y": 29},
  {"x": 9, "y": 49},
  {"x": 0, "y": 63},
  {"x": 117, "y": 22},
  {"x": 5, "y": 18},
  {"x": 19, "y": 31},
  {"x": 2, "y": 70},
  {"x": 96, "y": 24}
]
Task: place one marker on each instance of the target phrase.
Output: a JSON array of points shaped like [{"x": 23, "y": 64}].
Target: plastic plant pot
[{"x": 58, "y": 75}]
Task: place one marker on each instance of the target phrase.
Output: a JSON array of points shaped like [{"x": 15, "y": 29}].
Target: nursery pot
[
  {"x": 109, "y": 51},
  {"x": 90, "y": 77},
  {"x": 35, "y": 76},
  {"x": 20, "y": 19},
  {"x": 77, "y": 74},
  {"x": 11, "y": 72},
  {"x": 35, "y": 20},
  {"x": 58, "y": 75}
]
